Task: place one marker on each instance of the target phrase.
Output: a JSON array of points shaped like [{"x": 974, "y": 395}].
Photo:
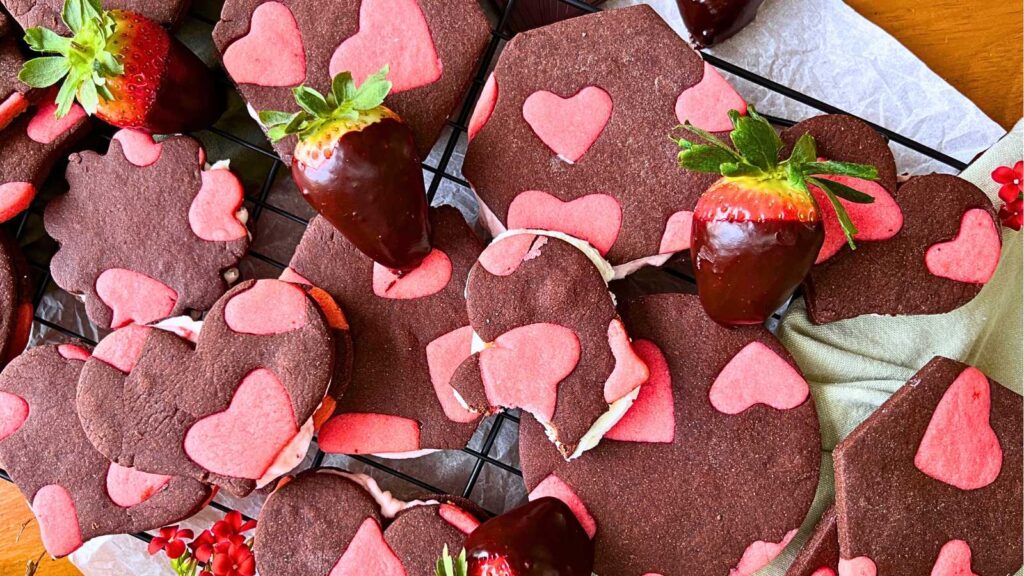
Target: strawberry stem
[{"x": 449, "y": 566}]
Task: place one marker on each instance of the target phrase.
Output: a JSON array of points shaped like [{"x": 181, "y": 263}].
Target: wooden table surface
[{"x": 974, "y": 44}]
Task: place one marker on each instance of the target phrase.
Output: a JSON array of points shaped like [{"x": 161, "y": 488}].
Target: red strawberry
[
  {"x": 125, "y": 69},
  {"x": 757, "y": 230},
  {"x": 357, "y": 164}
]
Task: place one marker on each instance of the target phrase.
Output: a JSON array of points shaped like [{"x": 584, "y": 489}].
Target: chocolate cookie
[
  {"x": 721, "y": 449},
  {"x": 15, "y": 300},
  {"x": 548, "y": 338},
  {"x": 75, "y": 492},
  {"x": 820, "y": 554},
  {"x": 339, "y": 522},
  {"x": 409, "y": 334},
  {"x": 234, "y": 409},
  {"x": 145, "y": 232},
  {"x": 431, "y": 46},
  {"x": 581, "y": 145},
  {"x": 46, "y": 13},
  {"x": 930, "y": 484},
  {"x": 13, "y": 100}
]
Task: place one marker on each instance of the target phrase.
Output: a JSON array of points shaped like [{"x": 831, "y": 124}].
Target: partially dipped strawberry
[
  {"x": 757, "y": 230},
  {"x": 125, "y": 69},
  {"x": 356, "y": 163}
]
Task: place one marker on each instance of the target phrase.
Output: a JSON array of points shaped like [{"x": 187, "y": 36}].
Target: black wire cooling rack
[{"x": 275, "y": 196}]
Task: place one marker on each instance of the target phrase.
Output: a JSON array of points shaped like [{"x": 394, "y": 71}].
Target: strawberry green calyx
[
  {"x": 84, "y": 61},
  {"x": 755, "y": 156},
  {"x": 345, "y": 103},
  {"x": 449, "y": 566}
]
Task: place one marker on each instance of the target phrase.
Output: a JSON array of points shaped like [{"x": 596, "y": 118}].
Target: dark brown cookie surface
[
  {"x": 15, "y": 299},
  {"x": 408, "y": 335},
  {"x": 234, "y": 409},
  {"x": 700, "y": 453},
  {"x": 46, "y": 13},
  {"x": 820, "y": 554},
  {"x": 432, "y": 47},
  {"x": 931, "y": 483},
  {"x": 145, "y": 232},
  {"x": 75, "y": 492}
]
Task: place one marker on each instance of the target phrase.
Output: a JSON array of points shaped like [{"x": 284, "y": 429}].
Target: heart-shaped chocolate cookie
[
  {"x": 75, "y": 492},
  {"x": 145, "y": 232},
  {"x": 338, "y": 521},
  {"x": 708, "y": 448},
  {"x": 430, "y": 46},
  {"x": 235, "y": 409},
  {"x": 584, "y": 149}
]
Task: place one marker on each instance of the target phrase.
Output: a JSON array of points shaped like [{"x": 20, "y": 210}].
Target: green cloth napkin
[{"x": 853, "y": 366}]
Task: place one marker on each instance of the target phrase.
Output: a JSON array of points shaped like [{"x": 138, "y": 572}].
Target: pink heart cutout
[
  {"x": 268, "y": 307},
  {"x": 395, "y": 33},
  {"x": 57, "y": 517},
  {"x": 122, "y": 348},
  {"x": 972, "y": 256},
  {"x": 760, "y": 554},
  {"x": 45, "y": 127},
  {"x": 73, "y": 352},
  {"x": 213, "y": 215},
  {"x": 959, "y": 446},
  {"x": 630, "y": 371},
  {"x": 13, "y": 414},
  {"x": 460, "y": 519},
  {"x": 568, "y": 126},
  {"x": 12, "y": 107},
  {"x": 15, "y": 198},
  {"x": 880, "y": 220},
  {"x": 707, "y": 104},
  {"x": 652, "y": 417},
  {"x": 427, "y": 279},
  {"x": 134, "y": 297},
  {"x": 129, "y": 487},
  {"x": 824, "y": 571},
  {"x": 359, "y": 433},
  {"x": 368, "y": 553},
  {"x": 271, "y": 54},
  {"x": 757, "y": 375},
  {"x": 523, "y": 367},
  {"x": 444, "y": 356},
  {"x": 678, "y": 230},
  {"x": 484, "y": 107},
  {"x": 555, "y": 487},
  {"x": 139, "y": 148},
  {"x": 244, "y": 440},
  {"x": 595, "y": 218},
  {"x": 504, "y": 256},
  {"x": 954, "y": 560},
  {"x": 860, "y": 566}
]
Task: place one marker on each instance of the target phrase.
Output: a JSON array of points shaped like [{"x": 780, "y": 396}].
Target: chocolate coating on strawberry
[
  {"x": 188, "y": 216},
  {"x": 15, "y": 299},
  {"x": 943, "y": 456},
  {"x": 820, "y": 554},
  {"x": 233, "y": 409},
  {"x": 409, "y": 334},
  {"x": 47, "y": 13},
  {"x": 75, "y": 492},
  {"x": 271, "y": 46},
  {"x": 712, "y": 403},
  {"x": 711, "y": 21}
]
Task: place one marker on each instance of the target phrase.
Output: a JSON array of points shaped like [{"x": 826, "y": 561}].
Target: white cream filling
[
  {"x": 405, "y": 455},
  {"x": 389, "y": 505},
  {"x": 231, "y": 275},
  {"x": 607, "y": 421}
]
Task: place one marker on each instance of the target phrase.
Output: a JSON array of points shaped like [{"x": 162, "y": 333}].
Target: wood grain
[{"x": 974, "y": 44}]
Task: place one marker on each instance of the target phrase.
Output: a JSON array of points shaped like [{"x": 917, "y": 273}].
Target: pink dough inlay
[
  {"x": 523, "y": 367},
  {"x": 361, "y": 433},
  {"x": 244, "y": 440},
  {"x": 139, "y": 148},
  {"x": 630, "y": 371},
  {"x": 652, "y": 417},
  {"x": 757, "y": 375},
  {"x": 760, "y": 554},
  {"x": 15, "y": 198},
  {"x": 129, "y": 487},
  {"x": 289, "y": 275},
  {"x": 13, "y": 414},
  {"x": 973, "y": 255},
  {"x": 444, "y": 355},
  {"x": 484, "y": 107},
  {"x": 677, "y": 233},
  {"x": 73, "y": 352},
  {"x": 555, "y": 487},
  {"x": 213, "y": 215},
  {"x": 954, "y": 560},
  {"x": 122, "y": 348},
  {"x": 595, "y": 218},
  {"x": 824, "y": 571},
  {"x": 268, "y": 307},
  {"x": 271, "y": 54},
  {"x": 462, "y": 521},
  {"x": 11, "y": 108},
  {"x": 368, "y": 553},
  {"x": 503, "y": 257},
  {"x": 568, "y": 126},
  {"x": 395, "y": 33},
  {"x": 58, "y": 520},
  {"x": 707, "y": 104},
  {"x": 134, "y": 297},
  {"x": 45, "y": 127},
  {"x": 860, "y": 566},
  {"x": 959, "y": 447},
  {"x": 427, "y": 279},
  {"x": 880, "y": 220}
]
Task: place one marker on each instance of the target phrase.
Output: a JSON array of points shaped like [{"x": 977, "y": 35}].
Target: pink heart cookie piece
[
  {"x": 213, "y": 215},
  {"x": 244, "y": 440},
  {"x": 122, "y": 348},
  {"x": 444, "y": 355},
  {"x": 568, "y": 126},
  {"x": 271, "y": 54},
  {"x": 368, "y": 553},
  {"x": 13, "y": 414},
  {"x": 972, "y": 256},
  {"x": 484, "y": 107},
  {"x": 630, "y": 371},
  {"x": 58, "y": 520},
  {"x": 595, "y": 218},
  {"x": 139, "y": 148},
  {"x": 15, "y": 198},
  {"x": 393, "y": 33},
  {"x": 678, "y": 230},
  {"x": 129, "y": 487},
  {"x": 73, "y": 352},
  {"x": 504, "y": 256},
  {"x": 757, "y": 375},
  {"x": 880, "y": 220},
  {"x": 269, "y": 307},
  {"x": 45, "y": 127},
  {"x": 652, "y": 417},
  {"x": 824, "y": 571},
  {"x": 954, "y": 560},
  {"x": 462, "y": 521},
  {"x": 555, "y": 487},
  {"x": 359, "y": 433},
  {"x": 12, "y": 107},
  {"x": 427, "y": 279},
  {"x": 959, "y": 446},
  {"x": 707, "y": 104},
  {"x": 134, "y": 297},
  {"x": 760, "y": 554},
  {"x": 860, "y": 566}
]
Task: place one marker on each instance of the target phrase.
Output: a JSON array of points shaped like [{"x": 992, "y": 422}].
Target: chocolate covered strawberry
[
  {"x": 757, "y": 230},
  {"x": 125, "y": 69},
  {"x": 356, "y": 163}
]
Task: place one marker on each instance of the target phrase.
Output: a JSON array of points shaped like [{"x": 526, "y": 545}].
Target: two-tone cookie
[
  {"x": 47, "y": 13},
  {"x": 13, "y": 100},
  {"x": 820, "y": 554},
  {"x": 15, "y": 300}
]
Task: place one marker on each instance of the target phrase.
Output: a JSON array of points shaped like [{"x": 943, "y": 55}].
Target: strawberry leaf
[
  {"x": 47, "y": 41},
  {"x": 449, "y": 566},
  {"x": 45, "y": 71},
  {"x": 849, "y": 228},
  {"x": 311, "y": 101},
  {"x": 847, "y": 193},
  {"x": 88, "y": 97},
  {"x": 804, "y": 151},
  {"x": 270, "y": 118},
  {"x": 741, "y": 169},
  {"x": 755, "y": 139},
  {"x": 372, "y": 92},
  {"x": 343, "y": 88},
  {"x": 704, "y": 158},
  {"x": 76, "y": 13},
  {"x": 832, "y": 168}
]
